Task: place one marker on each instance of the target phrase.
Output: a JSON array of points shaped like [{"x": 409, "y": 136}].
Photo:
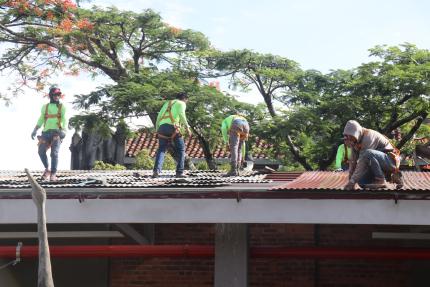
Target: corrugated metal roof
[
  {"x": 326, "y": 180},
  {"x": 127, "y": 179},
  {"x": 193, "y": 149},
  {"x": 283, "y": 176}
]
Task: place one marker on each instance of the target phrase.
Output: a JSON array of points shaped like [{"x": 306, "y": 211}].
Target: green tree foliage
[
  {"x": 150, "y": 61},
  {"x": 145, "y": 94},
  {"x": 56, "y": 36},
  {"x": 100, "y": 165},
  {"x": 270, "y": 75},
  {"x": 202, "y": 165},
  {"x": 388, "y": 93},
  {"x": 143, "y": 160}
]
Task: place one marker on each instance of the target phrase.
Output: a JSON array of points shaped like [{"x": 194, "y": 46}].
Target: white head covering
[{"x": 353, "y": 128}]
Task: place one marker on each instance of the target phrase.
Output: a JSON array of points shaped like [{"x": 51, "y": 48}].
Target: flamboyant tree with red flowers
[{"x": 43, "y": 37}]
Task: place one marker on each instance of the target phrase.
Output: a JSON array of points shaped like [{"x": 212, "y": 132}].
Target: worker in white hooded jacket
[{"x": 373, "y": 157}]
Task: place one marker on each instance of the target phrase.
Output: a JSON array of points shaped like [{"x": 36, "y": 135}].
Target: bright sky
[{"x": 322, "y": 35}]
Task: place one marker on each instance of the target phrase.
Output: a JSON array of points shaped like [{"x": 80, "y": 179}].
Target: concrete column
[{"x": 231, "y": 255}]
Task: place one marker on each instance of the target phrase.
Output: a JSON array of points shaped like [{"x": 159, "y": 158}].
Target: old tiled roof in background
[
  {"x": 146, "y": 140},
  {"x": 335, "y": 181}
]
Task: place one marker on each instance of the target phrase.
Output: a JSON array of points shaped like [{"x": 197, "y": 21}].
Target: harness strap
[
  {"x": 42, "y": 141},
  {"x": 168, "y": 113},
  {"x": 172, "y": 137},
  {"x": 50, "y": 116},
  {"x": 395, "y": 156},
  {"x": 240, "y": 134}
]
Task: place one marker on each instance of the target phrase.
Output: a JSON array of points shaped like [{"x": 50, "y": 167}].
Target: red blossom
[
  {"x": 84, "y": 24},
  {"x": 66, "y": 25},
  {"x": 49, "y": 15}
]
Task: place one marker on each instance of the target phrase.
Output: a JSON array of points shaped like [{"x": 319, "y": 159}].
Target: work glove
[
  {"x": 351, "y": 186},
  {"x": 33, "y": 134}
]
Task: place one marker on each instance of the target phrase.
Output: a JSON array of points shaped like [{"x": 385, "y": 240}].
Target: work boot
[
  {"x": 46, "y": 174},
  {"x": 180, "y": 175},
  {"x": 155, "y": 174},
  {"x": 53, "y": 177}
]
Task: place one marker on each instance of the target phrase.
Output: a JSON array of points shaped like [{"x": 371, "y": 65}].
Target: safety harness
[
  {"x": 238, "y": 132},
  {"x": 50, "y": 116},
  {"x": 169, "y": 115}
]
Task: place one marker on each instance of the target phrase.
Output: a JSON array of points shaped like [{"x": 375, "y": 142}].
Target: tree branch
[{"x": 413, "y": 130}]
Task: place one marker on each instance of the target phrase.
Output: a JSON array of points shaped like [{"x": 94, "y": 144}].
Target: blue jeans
[
  {"x": 179, "y": 148},
  {"x": 50, "y": 138},
  {"x": 379, "y": 164}
]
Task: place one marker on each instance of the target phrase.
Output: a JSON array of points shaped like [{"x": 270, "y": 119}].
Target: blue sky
[{"x": 322, "y": 35}]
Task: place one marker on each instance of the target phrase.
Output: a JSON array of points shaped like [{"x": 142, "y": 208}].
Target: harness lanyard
[{"x": 168, "y": 113}]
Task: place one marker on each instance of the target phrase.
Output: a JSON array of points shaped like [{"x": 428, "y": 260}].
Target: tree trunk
[
  {"x": 293, "y": 148},
  {"x": 325, "y": 163},
  {"x": 269, "y": 104},
  {"x": 411, "y": 133},
  {"x": 207, "y": 152}
]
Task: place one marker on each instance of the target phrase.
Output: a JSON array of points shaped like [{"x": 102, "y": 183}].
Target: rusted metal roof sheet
[
  {"x": 283, "y": 176},
  {"x": 326, "y": 180}
]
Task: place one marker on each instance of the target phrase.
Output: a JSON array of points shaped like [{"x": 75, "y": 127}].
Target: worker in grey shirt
[{"x": 373, "y": 157}]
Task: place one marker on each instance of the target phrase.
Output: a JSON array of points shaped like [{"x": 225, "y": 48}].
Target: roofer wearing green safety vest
[
  {"x": 235, "y": 131},
  {"x": 170, "y": 120},
  {"x": 53, "y": 120},
  {"x": 343, "y": 156}
]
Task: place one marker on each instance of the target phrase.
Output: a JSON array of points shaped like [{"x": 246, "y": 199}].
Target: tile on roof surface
[
  {"x": 127, "y": 179},
  {"x": 326, "y": 180}
]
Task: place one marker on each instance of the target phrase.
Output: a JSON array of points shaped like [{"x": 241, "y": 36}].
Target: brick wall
[
  {"x": 162, "y": 272},
  {"x": 264, "y": 272}
]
